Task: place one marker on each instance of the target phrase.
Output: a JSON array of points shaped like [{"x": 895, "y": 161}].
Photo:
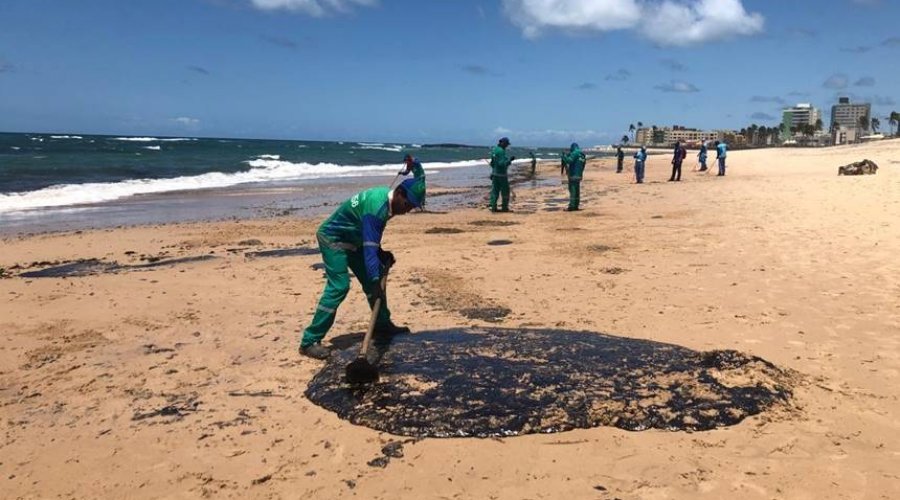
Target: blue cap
[
  {"x": 574, "y": 146},
  {"x": 415, "y": 191},
  {"x": 504, "y": 139}
]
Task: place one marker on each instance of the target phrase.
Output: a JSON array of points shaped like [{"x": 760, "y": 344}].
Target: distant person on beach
[
  {"x": 575, "y": 160},
  {"x": 702, "y": 156},
  {"x": 639, "y": 158},
  {"x": 620, "y": 159},
  {"x": 533, "y": 163},
  {"x": 721, "y": 153},
  {"x": 677, "y": 160},
  {"x": 351, "y": 238},
  {"x": 499, "y": 175},
  {"x": 562, "y": 162},
  {"x": 414, "y": 166}
]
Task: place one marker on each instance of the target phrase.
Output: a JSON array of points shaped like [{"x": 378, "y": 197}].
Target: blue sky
[{"x": 544, "y": 72}]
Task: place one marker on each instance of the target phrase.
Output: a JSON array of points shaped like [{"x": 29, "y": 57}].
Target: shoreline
[{"x": 447, "y": 187}]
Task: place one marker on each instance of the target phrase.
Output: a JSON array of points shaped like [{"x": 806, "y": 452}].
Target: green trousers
[
  {"x": 500, "y": 187},
  {"x": 338, "y": 258},
  {"x": 574, "y": 194}
]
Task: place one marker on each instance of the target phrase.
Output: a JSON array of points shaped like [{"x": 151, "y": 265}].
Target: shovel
[{"x": 360, "y": 371}]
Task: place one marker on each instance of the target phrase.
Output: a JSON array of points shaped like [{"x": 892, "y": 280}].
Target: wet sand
[{"x": 182, "y": 380}]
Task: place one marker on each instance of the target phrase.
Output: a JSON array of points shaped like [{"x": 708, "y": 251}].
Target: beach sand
[{"x": 184, "y": 381}]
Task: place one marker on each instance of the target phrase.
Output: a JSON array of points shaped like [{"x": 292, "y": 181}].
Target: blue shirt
[
  {"x": 641, "y": 155},
  {"x": 721, "y": 150}
]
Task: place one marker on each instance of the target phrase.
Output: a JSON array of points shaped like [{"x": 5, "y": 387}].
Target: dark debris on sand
[{"x": 490, "y": 382}]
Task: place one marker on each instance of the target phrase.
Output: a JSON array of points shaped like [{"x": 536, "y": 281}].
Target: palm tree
[
  {"x": 875, "y": 124},
  {"x": 819, "y": 124},
  {"x": 625, "y": 139},
  {"x": 864, "y": 123},
  {"x": 894, "y": 120},
  {"x": 631, "y": 129}
]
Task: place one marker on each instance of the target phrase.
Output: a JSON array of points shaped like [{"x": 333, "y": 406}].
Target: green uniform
[
  {"x": 575, "y": 161},
  {"x": 350, "y": 238},
  {"x": 416, "y": 168},
  {"x": 499, "y": 178}
]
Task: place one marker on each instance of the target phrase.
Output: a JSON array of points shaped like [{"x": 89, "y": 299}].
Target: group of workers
[
  {"x": 350, "y": 239},
  {"x": 678, "y": 157}
]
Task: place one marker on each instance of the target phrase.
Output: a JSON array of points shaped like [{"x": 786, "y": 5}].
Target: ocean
[
  {"x": 53, "y": 170},
  {"x": 68, "y": 181}
]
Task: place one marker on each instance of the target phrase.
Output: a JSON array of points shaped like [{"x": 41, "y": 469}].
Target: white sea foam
[
  {"x": 269, "y": 157},
  {"x": 15, "y": 148},
  {"x": 153, "y": 139},
  {"x": 370, "y": 143},
  {"x": 66, "y": 137},
  {"x": 152, "y": 148},
  {"x": 392, "y": 149},
  {"x": 262, "y": 170}
]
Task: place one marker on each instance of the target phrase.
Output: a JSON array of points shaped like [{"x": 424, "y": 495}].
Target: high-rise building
[
  {"x": 847, "y": 115},
  {"x": 801, "y": 114}
]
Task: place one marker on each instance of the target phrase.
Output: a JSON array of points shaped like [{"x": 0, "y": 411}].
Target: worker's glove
[
  {"x": 492, "y": 176},
  {"x": 387, "y": 258},
  {"x": 512, "y": 159}
]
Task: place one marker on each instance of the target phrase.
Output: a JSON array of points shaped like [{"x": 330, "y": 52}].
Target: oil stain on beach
[{"x": 487, "y": 382}]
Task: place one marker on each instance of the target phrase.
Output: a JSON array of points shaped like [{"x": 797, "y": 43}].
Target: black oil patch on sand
[
  {"x": 487, "y": 382},
  {"x": 282, "y": 252},
  {"x": 494, "y": 223},
  {"x": 497, "y": 243},
  {"x": 89, "y": 267},
  {"x": 443, "y": 230}
]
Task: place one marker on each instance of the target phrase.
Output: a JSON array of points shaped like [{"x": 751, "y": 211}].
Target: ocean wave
[
  {"x": 392, "y": 149},
  {"x": 370, "y": 143},
  {"x": 269, "y": 157},
  {"x": 153, "y": 139},
  {"x": 153, "y": 148},
  {"x": 262, "y": 170},
  {"x": 66, "y": 137},
  {"x": 15, "y": 148}
]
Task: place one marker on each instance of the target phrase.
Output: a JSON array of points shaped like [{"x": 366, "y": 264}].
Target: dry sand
[{"x": 781, "y": 259}]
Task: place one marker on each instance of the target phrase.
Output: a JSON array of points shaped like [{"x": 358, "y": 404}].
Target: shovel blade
[{"x": 361, "y": 371}]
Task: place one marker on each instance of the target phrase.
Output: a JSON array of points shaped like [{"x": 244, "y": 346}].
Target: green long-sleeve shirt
[
  {"x": 499, "y": 162},
  {"x": 359, "y": 222},
  {"x": 575, "y": 160}
]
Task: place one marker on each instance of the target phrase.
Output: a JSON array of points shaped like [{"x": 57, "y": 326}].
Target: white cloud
[
  {"x": 837, "y": 81},
  {"x": 312, "y": 7},
  {"x": 186, "y": 121},
  {"x": 677, "y": 86},
  {"x": 673, "y": 23},
  {"x": 666, "y": 22}
]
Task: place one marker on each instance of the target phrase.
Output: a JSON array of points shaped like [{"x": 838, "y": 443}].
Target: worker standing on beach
[
  {"x": 562, "y": 162},
  {"x": 533, "y": 163},
  {"x": 702, "y": 156},
  {"x": 499, "y": 175},
  {"x": 620, "y": 159},
  {"x": 351, "y": 238},
  {"x": 721, "y": 153},
  {"x": 639, "y": 158},
  {"x": 414, "y": 166},
  {"x": 575, "y": 160},
  {"x": 677, "y": 159}
]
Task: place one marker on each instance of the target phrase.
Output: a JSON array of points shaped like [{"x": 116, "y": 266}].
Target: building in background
[
  {"x": 796, "y": 117},
  {"x": 669, "y": 136},
  {"x": 848, "y": 115}
]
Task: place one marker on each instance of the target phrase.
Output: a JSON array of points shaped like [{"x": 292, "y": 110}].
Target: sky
[{"x": 543, "y": 72}]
